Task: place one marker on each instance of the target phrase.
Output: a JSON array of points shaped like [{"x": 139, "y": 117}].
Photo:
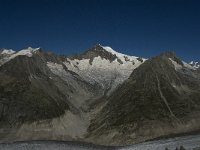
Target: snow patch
[{"x": 194, "y": 64}]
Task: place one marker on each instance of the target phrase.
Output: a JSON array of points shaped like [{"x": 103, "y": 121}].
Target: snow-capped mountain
[
  {"x": 8, "y": 54},
  {"x": 100, "y": 65},
  {"x": 194, "y": 64},
  {"x": 96, "y": 96},
  {"x": 104, "y": 66},
  {"x": 7, "y": 51}
]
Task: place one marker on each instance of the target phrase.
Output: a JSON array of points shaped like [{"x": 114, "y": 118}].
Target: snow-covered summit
[
  {"x": 28, "y": 52},
  {"x": 7, "y": 51},
  {"x": 9, "y": 54},
  {"x": 121, "y": 56},
  {"x": 104, "y": 66}
]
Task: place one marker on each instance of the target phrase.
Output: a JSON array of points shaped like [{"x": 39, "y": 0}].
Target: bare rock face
[
  {"x": 27, "y": 93},
  {"x": 161, "y": 97}
]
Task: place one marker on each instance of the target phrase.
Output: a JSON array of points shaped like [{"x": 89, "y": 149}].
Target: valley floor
[{"x": 189, "y": 142}]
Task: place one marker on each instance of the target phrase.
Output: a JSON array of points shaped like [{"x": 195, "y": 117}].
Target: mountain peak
[
  {"x": 169, "y": 54},
  {"x": 99, "y": 47},
  {"x": 108, "y": 49},
  {"x": 172, "y": 55}
]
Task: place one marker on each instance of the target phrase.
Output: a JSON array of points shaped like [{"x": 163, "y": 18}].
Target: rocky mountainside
[
  {"x": 100, "y": 96},
  {"x": 32, "y": 89},
  {"x": 161, "y": 97}
]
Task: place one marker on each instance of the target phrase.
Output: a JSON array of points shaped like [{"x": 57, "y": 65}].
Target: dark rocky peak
[
  {"x": 98, "y": 50},
  {"x": 97, "y": 47},
  {"x": 160, "y": 66},
  {"x": 95, "y": 51}
]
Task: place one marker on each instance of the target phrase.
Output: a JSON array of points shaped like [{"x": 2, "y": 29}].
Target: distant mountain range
[{"x": 99, "y": 96}]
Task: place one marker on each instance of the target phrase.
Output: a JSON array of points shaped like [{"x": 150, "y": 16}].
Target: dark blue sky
[{"x": 136, "y": 27}]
